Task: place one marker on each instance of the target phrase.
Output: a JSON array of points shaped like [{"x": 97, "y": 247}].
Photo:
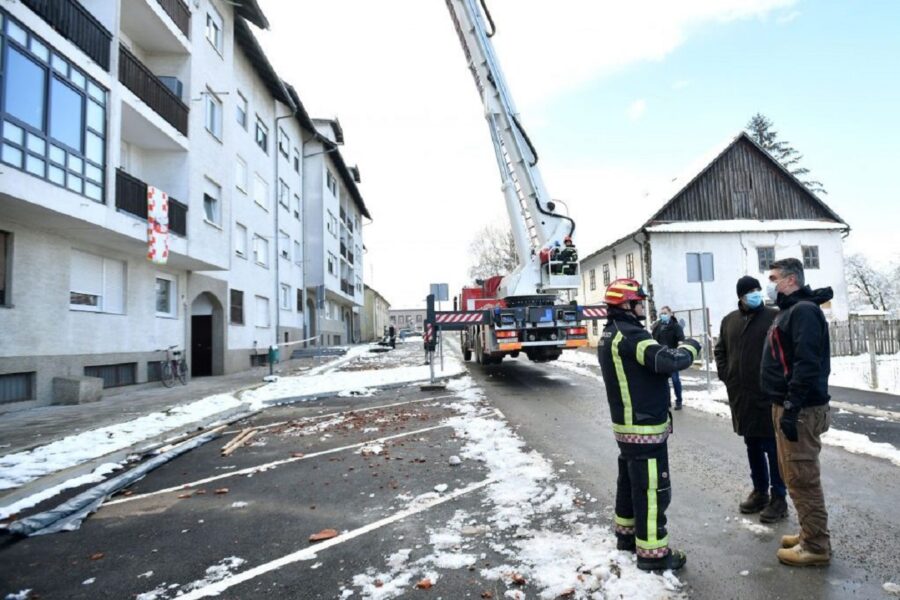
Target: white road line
[
  {"x": 345, "y": 411},
  {"x": 499, "y": 414},
  {"x": 267, "y": 466},
  {"x": 310, "y": 553}
]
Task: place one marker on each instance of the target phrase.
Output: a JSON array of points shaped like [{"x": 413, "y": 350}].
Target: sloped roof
[
  {"x": 669, "y": 193},
  {"x": 250, "y": 10},
  {"x": 260, "y": 62}
]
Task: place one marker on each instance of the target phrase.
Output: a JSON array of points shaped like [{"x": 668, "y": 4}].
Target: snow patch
[
  {"x": 756, "y": 528},
  {"x": 96, "y": 476}
]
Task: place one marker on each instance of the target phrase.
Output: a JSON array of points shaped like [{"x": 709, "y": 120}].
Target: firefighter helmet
[{"x": 621, "y": 291}]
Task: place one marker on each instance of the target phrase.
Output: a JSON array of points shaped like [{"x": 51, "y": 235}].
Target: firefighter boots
[
  {"x": 674, "y": 560},
  {"x": 755, "y": 502},
  {"x": 775, "y": 511}
]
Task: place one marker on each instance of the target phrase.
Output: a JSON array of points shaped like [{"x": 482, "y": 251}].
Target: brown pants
[{"x": 799, "y": 464}]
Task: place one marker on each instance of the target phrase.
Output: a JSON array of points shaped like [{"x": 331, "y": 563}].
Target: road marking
[
  {"x": 343, "y": 412},
  {"x": 310, "y": 553},
  {"x": 267, "y": 466},
  {"x": 499, "y": 414}
]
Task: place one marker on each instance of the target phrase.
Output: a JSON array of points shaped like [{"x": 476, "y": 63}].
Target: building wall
[
  {"x": 413, "y": 319},
  {"x": 374, "y": 317}
]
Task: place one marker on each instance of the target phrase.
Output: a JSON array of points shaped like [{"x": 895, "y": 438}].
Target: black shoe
[
  {"x": 626, "y": 543},
  {"x": 674, "y": 560},
  {"x": 755, "y": 502},
  {"x": 678, "y": 406},
  {"x": 775, "y": 511}
]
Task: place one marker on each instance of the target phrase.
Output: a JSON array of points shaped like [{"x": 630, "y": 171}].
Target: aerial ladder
[{"x": 520, "y": 311}]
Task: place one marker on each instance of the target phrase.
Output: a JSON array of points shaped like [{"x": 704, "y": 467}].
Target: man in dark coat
[
  {"x": 738, "y": 356},
  {"x": 669, "y": 333},
  {"x": 796, "y": 363}
]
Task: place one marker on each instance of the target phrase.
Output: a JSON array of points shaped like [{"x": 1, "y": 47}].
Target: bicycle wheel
[
  {"x": 166, "y": 374},
  {"x": 182, "y": 371}
]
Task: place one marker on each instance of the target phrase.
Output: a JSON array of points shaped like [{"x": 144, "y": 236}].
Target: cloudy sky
[{"x": 617, "y": 97}]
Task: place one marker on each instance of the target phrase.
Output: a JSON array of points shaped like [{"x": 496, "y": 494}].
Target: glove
[
  {"x": 693, "y": 344},
  {"x": 788, "y": 423}
]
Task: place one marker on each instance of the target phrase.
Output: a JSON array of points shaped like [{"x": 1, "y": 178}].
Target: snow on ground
[
  {"x": 532, "y": 520},
  {"x": 855, "y": 372},
  {"x": 217, "y": 572},
  {"x": 96, "y": 476}
]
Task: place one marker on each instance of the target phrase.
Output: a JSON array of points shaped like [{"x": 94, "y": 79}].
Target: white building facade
[
  {"x": 102, "y": 100},
  {"x": 788, "y": 222}
]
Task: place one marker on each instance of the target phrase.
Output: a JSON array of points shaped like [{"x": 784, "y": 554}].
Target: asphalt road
[{"x": 565, "y": 416}]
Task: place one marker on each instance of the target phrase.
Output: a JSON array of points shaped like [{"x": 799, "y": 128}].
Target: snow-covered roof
[{"x": 741, "y": 225}]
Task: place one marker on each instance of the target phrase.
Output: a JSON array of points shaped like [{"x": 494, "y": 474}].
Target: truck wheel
[
  {"x": 467, "y": 354},
  {"x": 479, "y": 357}
]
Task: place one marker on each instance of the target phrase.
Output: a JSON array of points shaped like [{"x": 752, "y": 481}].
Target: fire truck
[{"x": 523, "y": 311}]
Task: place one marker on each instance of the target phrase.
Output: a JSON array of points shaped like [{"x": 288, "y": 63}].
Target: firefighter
[{"x": 636, "y": 372}]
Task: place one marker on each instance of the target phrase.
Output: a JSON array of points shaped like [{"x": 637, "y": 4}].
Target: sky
[{"x": 618, "y": 98}]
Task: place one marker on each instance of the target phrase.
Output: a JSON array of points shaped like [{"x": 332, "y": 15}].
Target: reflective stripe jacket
[{"x": 636, "y": 370}]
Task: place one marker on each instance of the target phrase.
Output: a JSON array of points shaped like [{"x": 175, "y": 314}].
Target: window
[
  {"x": 237, "y": 307},
  {"x": 262, "y": 135},
  {"x": 810, "y": 257},
  {"x": 114, "y": 375},
  {"x": 16, "y": 387},
  {"x": 285, "y": 297},
  {"x": 299, "y": 300},
  {"x": 240, "y": 240},
  {"x": 593, "y": 275},
  {"x": 96, "y": 284},
  {"x": 5, "y": 268},
  {"x": 298, "y": 210},
  {"x": 211, "y": 204},
  {"x": 296, "y": 160},
  {"x": 214, "y": 28},
  {"x": 241, "y": 110},
  {"x": 331, "y": 262},
  {"x": 262, "y": 311},
  {"x": 261, "y": 191},
  {"x": 331, "y": 182},
  {"x": 53, "y": 117},
  {"x": 213, "y": 114},
  {"x": 629, "y": 265},
  {"x": 331, "y": 224},
  {"x": 284, "y": 143},
  {"x": 284, "y": 193},
  {"x": 765, "y": 256},
  {"x": 261, "y": 250},
  {"x": 606, "y": 274},
  {"x": 240, "y": 174},
  {"x": 418, "y": 318},
  {"x": 298, "y": 253},
  {"x": 284, "y": 244},
  {"x": 165, "y": 296}
]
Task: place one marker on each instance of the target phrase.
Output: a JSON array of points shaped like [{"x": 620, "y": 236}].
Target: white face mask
[{"x": 772, "y": 291}]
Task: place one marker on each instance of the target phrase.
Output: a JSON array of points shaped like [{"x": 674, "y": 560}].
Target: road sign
[
  {"x": 441, "y": 292},
  {"x": 700, "y": 267}
]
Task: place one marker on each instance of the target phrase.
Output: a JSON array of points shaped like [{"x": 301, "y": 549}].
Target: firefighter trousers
[{"x": 643, "y": 493}]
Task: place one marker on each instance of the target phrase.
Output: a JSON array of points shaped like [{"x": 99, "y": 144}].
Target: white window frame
[
  {"x": 172, "y": 313},
  {"x": 284, "y": 142},
  {"x": 261, "y": 127},
  {"x": 214, "y": 113},
  {"x": 262, "y": 302},
  {"x": 214, "y": 191},
  {"x": 298, "y": 208},
  {"x": 241, "y": 174},
  {"x": 296, "y": 160},
  {"x": 261, "y": 250},
  {"x": 284, "y": 298},
  {"x": 332, "y": 263},
  {"x": 242, "y": 111},
  {"x": 331, "y": 182},
  {"x": 284, "y": 244},
  {"x": 811, "y": 250},
  {"x": 298, "y": 253},
  {"x": 215, "y": 29},
  {"x": 284, "y": 193},
  {"x": 104, "y": 294},
  {"x": 260, "y": 185},
  {"x": 240, "y": 240}
]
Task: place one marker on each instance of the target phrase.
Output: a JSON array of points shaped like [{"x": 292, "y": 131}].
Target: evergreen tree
[{"x": 760, "y": 129}]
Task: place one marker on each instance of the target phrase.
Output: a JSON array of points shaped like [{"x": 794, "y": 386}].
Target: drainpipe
[{"x": 277, "y": 236}]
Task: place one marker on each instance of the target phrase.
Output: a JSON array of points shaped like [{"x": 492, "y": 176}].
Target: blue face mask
[
  {"x": 753, "y": 299},
  {"x": 665, "y": 317}
]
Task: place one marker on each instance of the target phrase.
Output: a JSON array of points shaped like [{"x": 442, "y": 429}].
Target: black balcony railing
[
  {"x": 180, "y": 14},
  {"x": 147, "y": 86},
  {"x": 76, "y": 24},
  {"x": 131, "y": 197},
  {"x": 350, "y": 257}
]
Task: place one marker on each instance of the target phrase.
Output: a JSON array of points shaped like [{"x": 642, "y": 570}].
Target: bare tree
[
  {"x": 867, "y": 285},
  {"x": 760, "y": 129},
  {"x": 492, "y": 252}
]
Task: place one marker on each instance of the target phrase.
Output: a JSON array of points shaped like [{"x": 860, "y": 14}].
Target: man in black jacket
[
  {"x": 636, "y": 371},
  {"x": 668, "y": 332},
  {"x": 738, "y": 355},
  {"x": 796, "y": 363}
]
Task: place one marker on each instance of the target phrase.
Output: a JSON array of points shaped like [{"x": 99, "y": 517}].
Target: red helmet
[{"x": 621, "y": 291}]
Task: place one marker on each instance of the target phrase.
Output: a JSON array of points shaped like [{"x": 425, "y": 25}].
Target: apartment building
[
  {"x": 412, "y": 319},
  {"x": 103, "y": 101},
  {"x": 374, "y": 315}
]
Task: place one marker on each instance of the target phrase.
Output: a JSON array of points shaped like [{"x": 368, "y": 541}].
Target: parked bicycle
[{"x": 173, "y": 367}]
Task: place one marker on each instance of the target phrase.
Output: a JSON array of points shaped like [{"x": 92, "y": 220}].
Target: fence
[
  {"x": 692, "y": 322},
  {"x": 848, "y": 338}
]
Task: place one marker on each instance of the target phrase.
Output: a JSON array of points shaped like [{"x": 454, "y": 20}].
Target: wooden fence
[{"x": 848, "y": 338}]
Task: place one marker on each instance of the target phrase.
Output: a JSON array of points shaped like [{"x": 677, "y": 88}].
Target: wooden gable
[{"x": 744, "y": 182}]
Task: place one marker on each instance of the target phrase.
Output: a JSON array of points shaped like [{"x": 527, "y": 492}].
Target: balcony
[
  {"x": 347, "y": 287},
  {"x": 77, "y": 25},
  {"x": 180, "y": 14},
  {"x": 137, "y": 77},
  {"x": 131, "y": 197}
]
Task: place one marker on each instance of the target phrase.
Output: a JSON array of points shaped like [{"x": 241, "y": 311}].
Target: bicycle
[{"x": 173, "y": 366}]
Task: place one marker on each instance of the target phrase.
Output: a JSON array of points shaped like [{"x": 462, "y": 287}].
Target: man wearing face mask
[
  {"x": 738, "y": 355},
  {"x": 796, "y": 363},
  {"x": 636, "y": 373},
  {"x": 668, "y": 332}
]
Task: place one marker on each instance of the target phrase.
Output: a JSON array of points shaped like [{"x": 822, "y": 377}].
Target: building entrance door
[{"x": 201, "y": 345}]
